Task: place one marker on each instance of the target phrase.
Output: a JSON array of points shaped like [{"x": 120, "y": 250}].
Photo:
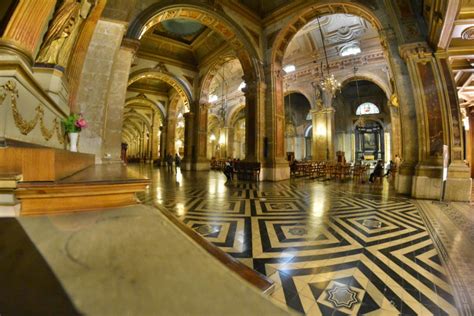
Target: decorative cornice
[{"x": 420, "y": 50}]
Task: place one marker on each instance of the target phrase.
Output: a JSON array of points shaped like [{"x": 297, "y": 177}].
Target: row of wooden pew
[{"x": 329, "y": 170}]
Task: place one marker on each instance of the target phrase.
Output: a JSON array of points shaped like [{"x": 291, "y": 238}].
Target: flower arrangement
[{"x": 74, "y": 123}]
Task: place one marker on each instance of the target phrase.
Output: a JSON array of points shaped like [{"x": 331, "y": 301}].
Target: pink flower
[{"x": 81, "y": 123}]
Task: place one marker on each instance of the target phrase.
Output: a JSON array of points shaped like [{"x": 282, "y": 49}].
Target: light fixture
[
  {"x": 212, "y": 137},
  {"x": 223, "y": 109},
  {"x": 222, "y": 139},
  {"x": 289, "y": 68},
  {"x": 328, "y": 83},
  {"x": 179, "y": 143},
  {"x": 242, "y": 85},
  {"x": 212, "y": 98},
  {"x": 361, "y": 120}
]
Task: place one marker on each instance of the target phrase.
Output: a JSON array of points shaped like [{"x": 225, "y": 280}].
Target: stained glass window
[{"x": 367, "y": 108}]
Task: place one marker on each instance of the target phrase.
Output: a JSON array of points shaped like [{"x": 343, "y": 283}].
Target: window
[{"x": 367, "y": 108}]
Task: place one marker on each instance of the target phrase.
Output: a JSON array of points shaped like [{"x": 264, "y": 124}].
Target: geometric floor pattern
[{"x": 330, "y": 251}]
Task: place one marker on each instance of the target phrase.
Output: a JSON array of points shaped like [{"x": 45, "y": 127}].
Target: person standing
[{"x": 177, "y": 161}]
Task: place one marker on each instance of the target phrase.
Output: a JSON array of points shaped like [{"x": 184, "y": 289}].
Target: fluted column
[
  {"x": 162, "y": 142},
  {"x": 26, "y": 27},
  {"x": 229, "y": 137},
  {"x": 188, "y": 140}
]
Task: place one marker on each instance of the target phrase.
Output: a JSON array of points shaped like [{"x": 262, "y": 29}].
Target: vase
[{"x": 73, "y": 141}]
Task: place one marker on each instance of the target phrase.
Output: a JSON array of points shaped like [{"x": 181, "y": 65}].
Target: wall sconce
[
  {"x": 179, "y": 143},
  {"x": 212, "y": 137}
]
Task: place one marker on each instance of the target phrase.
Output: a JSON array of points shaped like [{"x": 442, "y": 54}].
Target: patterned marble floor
[{"x": 332, "y": 249}]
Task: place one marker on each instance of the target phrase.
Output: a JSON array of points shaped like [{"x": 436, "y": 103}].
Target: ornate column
[
  {"x": 117, "y": 90},
  {"x": 324, "y": 131},
  {"x": 188, "y": 141},
  {"x": 439, "y": 124},
  {"x": 26, "y": 27},
  {"x": 200, "y": 161},
  {"x": 403, "y": 92}
]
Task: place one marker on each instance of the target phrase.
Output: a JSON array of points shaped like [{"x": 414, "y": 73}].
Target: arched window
[{"x": 367, "y": 108}]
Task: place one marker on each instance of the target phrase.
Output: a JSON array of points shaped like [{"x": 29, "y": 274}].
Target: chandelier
[
  {"x": 223, "y": 108},
  {"x": 361, "y": 120},
  {"x": 328, "y": 83}
]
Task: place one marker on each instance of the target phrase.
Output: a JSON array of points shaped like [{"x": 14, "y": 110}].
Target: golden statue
[{"x": 63, "y": 32}]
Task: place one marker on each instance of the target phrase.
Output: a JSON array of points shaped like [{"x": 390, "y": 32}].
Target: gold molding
[{"x": 25, "y": 126}]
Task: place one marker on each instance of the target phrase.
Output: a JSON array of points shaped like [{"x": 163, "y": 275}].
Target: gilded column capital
[{"x": 418, "y": 50}]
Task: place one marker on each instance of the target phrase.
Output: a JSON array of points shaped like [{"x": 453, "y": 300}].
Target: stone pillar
[
  {"x": 407, "y": 113},
  {"x": 324, "y": 131},
  {"x": 113, "y": 116},
  {"x": 162, "y": 143},
  {"x": 470, "y": 140},
  {"x": 188, "y": 141},
  {"x": 155, "y": 140},
  {"x": 275, "y": 166},
  {"x": 458, "y": 184},
  {"x": 254, "y": 93},
  {"x": 200, "y": 161},
  {"x": 439, "y": 125},
  {"x": 96, "y": 78},
  {"x": 27, "y": 25}
]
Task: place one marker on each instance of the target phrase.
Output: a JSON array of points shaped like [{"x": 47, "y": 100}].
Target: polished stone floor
[{"x": 332, "y": 248}]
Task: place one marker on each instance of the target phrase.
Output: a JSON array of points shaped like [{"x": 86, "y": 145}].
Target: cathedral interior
[{"x": 236, "y": 157}]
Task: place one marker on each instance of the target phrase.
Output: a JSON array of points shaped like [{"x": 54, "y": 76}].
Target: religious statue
[
  {"x": 63, "y": 32},
  {"x": 319, "y": 100}
]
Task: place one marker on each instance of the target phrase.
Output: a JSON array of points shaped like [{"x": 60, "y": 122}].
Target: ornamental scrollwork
[{"x": 26, "y": 126}]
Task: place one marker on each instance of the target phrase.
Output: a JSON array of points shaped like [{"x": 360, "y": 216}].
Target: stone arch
[
  {"x": 234, "y": 114},
  {"x": 149, "y": 103},
  {"x": 293, "y": 91},
  {"x": 206, "y": 14},
  {"x": 129, "y": 116},
  {"x": 310, "y": 12},
  {"x": 369, "y": 77},
  {"x": 178, "y": 84},
  {"x": 206, "y": 80}
]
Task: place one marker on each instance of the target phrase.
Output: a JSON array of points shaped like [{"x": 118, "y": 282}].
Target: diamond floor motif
[{"x": 332, "y": 249}]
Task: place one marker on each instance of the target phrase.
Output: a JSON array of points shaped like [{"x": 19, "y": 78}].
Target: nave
[{"x": 331, "y": 248}]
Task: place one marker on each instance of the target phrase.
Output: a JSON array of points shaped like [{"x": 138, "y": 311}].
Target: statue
[{"x": 63, "y": 32}]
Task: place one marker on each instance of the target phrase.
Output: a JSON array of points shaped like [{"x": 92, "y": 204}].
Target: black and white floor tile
[{"x": 330, "y": 252}]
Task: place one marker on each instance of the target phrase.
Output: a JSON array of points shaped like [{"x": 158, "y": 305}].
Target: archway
[
  {"x": 241, "y": 48},
  {"x": 297, "y": 117},
  {"x": 334, "y": 41}
]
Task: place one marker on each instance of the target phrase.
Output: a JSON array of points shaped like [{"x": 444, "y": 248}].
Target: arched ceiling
[
  {"x": 339, "y": 31},
  {"x": 226, "y": 83}
]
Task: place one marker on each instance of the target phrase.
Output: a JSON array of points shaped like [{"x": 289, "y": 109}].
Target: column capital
[
  {"x": 130, "y": 44},
  {"x": 419, "y": 50},
  {"x": 323, "y": 110}
]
